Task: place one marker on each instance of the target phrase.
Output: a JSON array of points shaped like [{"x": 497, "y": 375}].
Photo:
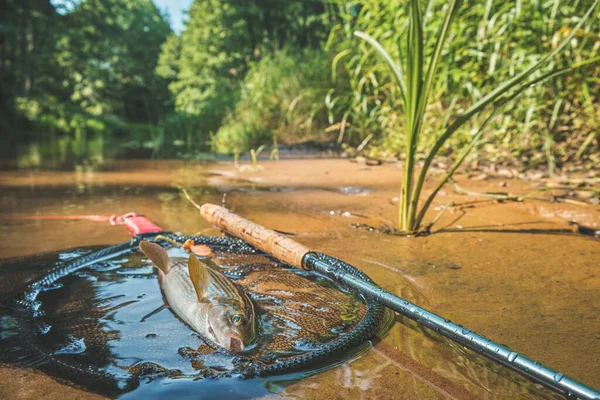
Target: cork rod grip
[{"x": 271, "y": 242}]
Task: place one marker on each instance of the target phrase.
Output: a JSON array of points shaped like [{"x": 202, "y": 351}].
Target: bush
[{"x": 281, "y": 99}]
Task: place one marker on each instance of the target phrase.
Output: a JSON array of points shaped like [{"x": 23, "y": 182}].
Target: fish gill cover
[{"x": 104, "y": 328}]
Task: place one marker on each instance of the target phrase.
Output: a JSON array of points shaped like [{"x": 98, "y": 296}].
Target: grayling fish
[{"x": 205, "y": 299}]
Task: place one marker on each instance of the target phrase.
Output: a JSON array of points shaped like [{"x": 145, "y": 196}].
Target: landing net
[{"x": 95, "y": 318}]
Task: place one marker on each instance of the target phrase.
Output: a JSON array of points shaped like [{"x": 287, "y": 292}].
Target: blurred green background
[{"x": 86, "y": 80}]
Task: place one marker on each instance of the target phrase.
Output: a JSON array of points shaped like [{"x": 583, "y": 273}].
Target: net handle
[{"x": 271, "y": 242}]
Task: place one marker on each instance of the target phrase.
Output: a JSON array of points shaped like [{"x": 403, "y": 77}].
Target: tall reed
[{"x": 415, "y": 77}]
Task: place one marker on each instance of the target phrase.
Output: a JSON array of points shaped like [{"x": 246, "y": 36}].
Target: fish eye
[{"x": 237, "y": 319}]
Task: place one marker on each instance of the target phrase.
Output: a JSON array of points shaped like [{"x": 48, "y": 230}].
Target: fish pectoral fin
[
  {"x": 156, "y": 254},
  {"x": 199, "y": 276}
]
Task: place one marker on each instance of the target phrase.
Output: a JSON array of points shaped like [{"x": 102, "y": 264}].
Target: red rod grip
[{"x": 138, "y": 224}]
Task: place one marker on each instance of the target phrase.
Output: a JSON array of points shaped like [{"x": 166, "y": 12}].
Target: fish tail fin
[
  {"x": 156, "y": 254},
  {"x": 199, "y": 276}
]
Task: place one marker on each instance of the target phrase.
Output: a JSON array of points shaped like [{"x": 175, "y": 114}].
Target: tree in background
[
  {"x": 208, "y": 62},
  {"x": 28, "y": 35},
  {"x": 238, "y": 75},
  {"x": 90, "y": 68},
  {"x": 110, "y": 49}
]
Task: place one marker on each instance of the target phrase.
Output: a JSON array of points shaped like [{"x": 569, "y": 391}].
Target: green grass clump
[
  {"x": 415, "y": 76},
  {"x": 490, "y": 43}
]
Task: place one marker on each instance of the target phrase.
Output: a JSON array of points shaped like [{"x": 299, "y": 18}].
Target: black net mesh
[{"x": 95, "y": 318}]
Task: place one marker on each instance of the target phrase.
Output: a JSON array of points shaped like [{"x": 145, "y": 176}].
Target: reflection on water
[
  {"x": 84, "y": 151},
  {"x": 79, "y": 150}
]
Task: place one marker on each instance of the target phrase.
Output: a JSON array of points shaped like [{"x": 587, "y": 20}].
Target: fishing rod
[{"x": 300, "y": 256}]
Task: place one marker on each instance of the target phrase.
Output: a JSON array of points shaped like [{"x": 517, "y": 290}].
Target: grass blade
[
  {"x": 442, "y": 36},
  {"x": 396, "y": 71},
  {"x": 493, "y": 96},
  {"x": 498, "y": 106}
]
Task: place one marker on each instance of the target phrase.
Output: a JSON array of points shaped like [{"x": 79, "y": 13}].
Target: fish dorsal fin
[
  {"x": 199, "y": 276},
  {"x": 156, "y": 254}
]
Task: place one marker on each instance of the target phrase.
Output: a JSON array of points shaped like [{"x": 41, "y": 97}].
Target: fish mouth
[{"x": 233, "y": 345}]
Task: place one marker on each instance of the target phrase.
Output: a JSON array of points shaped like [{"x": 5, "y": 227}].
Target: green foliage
[
  {"x": 73, "y": 136},
  {"x": 415, "y": 78},
  {"x": 84, "y": 72},
  {"x": 205, "y": 68},
  {"x": 244, "y": 74},
  {"x": 168, "y": 60},
  {"x": 110, "y": 50},
  {"x": 180, "y": 130},
  {"x": 27, "y": 35},
  {"x": 491, "y": 43},
  {"x": 281, "y": 97},
  {"x": 207, "y": 65},
  {"x": 55, "y": 118},
  {"x": 254, "y": 155}
]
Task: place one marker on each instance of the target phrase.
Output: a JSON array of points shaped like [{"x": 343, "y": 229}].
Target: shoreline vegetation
[{"x": 99, "y": 79}]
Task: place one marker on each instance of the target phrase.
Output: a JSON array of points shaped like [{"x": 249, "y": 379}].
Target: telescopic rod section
[{"x": 299, "y": 256}]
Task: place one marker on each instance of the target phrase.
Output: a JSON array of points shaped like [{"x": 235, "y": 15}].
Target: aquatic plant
[
  {"x": 415, "y": 78},
  {"x": 254, "y": 155}
]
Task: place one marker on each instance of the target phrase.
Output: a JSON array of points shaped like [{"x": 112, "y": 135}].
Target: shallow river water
[{"x": 514, "y": 272}]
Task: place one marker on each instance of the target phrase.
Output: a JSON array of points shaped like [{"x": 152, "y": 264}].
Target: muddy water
[{"x": 512, "y": 271}]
